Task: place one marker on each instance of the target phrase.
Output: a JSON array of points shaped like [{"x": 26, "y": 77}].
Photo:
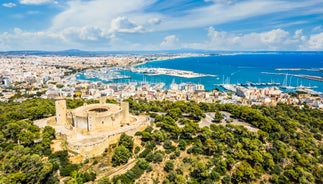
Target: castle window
[{"x": 102, "y": 122}]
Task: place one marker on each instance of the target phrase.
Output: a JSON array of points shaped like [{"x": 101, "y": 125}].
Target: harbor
[
  {"x": 170, "y": 72},
  {"x": 106, "y": 74},
  {"x": 206, "y": 71}
]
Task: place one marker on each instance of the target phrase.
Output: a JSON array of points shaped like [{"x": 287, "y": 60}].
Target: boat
[{"x": 285, "y": 85}]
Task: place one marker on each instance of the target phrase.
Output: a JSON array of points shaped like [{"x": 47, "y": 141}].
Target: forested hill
[
  {"x": 284, "y": 146},
  {"x": 287, "y": 148}
]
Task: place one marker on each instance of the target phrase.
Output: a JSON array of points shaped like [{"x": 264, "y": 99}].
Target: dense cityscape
[{"x": 49, "y": 77}]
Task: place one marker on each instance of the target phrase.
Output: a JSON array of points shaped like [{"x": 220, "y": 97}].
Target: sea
[{"x": 236, "y": 68}]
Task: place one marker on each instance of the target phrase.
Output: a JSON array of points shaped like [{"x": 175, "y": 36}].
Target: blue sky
[{"x": 161, "y": 25}]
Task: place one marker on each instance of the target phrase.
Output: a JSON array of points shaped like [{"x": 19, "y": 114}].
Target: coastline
[
  {"x": 231, "y": 69},
  {"x": 179, "y": 56}
]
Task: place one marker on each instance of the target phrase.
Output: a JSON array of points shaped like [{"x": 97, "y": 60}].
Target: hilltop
[{"x": 187, "y": 142}]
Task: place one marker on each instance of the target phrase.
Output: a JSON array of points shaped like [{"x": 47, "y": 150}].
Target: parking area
[{"x": 227, "y": 119}]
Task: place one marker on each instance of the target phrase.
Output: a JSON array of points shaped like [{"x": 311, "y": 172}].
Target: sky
[{"x": 120, "y": 25}]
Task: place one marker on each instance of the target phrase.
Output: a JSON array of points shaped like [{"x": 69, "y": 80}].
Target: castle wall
[
  {"x": 81, "y": 123},
  {"x": 96, "y": 147},
  {"x": 104, "y": 123},
  {"x": 98, "y": 122}
]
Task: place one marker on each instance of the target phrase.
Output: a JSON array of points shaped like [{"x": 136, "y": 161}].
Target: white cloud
[
  {"x": 275, "y": 36},
  {"x": 95, "y": 38},
  {"x": 270, "y": 40},
  {"x": 86, "y": 33},
  {"x": 224, "y": 11},
  {"x": 107, "y": 17},
  {"x": 123, "y": 16},
  {"x": 98, "y": 22},
  {"x": 298, "y": 35},
  {"x": 170, "y": 42},
  {"x": 101, "y": 13},
  {"x": 218, "y": 39},
  {"x": 276, "y": 39},
  {"x": 154, "y": 21},
  {"x": 88, "y": 38},
  {"x": 9, "y": 5},
  {"x": 36, "y": 2},
  {"x": 124, "y": 25},
  {"x": 21, "y": 40},
  {"x": 316, "y": 41}
]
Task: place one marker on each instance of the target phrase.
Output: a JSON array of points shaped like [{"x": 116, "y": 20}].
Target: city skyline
[{"x": 105, "y": 25}]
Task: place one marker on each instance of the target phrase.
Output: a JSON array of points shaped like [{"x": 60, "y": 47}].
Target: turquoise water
[{"x": 238, "y": 68}]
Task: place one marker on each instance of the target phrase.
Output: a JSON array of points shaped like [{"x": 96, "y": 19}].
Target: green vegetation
[
  {"x": 287, "y": 148},
  {"x": 72, "y": 104},
  {"x": 121, "y": 155},
  {"x": 218, "y": 116},
  {"x": 59, "y": 85},
  {"x": 124, "y": 150},
  {"x": 25, "y": 155},
  {"x": 169, "y": 166},
  {"x": 126, "y": 141},
  {"x": 23, "y": 146},
  {"x": 134, "y": 173}
]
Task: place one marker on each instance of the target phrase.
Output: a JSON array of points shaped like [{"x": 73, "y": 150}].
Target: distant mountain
[{"x": 76, "y": 52}]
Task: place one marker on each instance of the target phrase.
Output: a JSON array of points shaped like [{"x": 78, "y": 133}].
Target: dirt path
[{"x": 118, "y": 170}]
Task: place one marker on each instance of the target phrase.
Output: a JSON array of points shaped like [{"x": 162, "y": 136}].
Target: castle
[
  {"x": 93, "y": 118},
  {"x": 90, "y": 129}
]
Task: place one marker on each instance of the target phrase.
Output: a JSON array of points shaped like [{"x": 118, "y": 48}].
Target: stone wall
[{"x": 98, "y": 146}]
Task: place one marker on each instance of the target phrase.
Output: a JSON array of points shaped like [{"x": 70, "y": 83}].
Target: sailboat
[{"x": 285, "y": 85}]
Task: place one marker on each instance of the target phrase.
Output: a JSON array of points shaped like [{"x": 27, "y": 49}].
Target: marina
[
  {"x": 170, "y": 72},
  {"x": 106, "y": 74},
  {"x": 240, "y": 70}
]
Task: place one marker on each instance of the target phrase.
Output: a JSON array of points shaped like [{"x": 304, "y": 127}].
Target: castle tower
[
  {"x": 103, "y": 99},
  {"x": 60, "y": 105},
  {"x": 125, "y": 113}
]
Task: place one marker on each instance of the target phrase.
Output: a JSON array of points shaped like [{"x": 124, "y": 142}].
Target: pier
[
  {"x": 310, "y": 77},
  {"x": 170, "y": 72}
]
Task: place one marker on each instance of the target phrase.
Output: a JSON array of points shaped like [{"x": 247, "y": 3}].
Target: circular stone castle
[
  {"x": 90, "y": 129},
  {"x": 92, "y": 118},
  {"x": 100, "y": 117}
]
